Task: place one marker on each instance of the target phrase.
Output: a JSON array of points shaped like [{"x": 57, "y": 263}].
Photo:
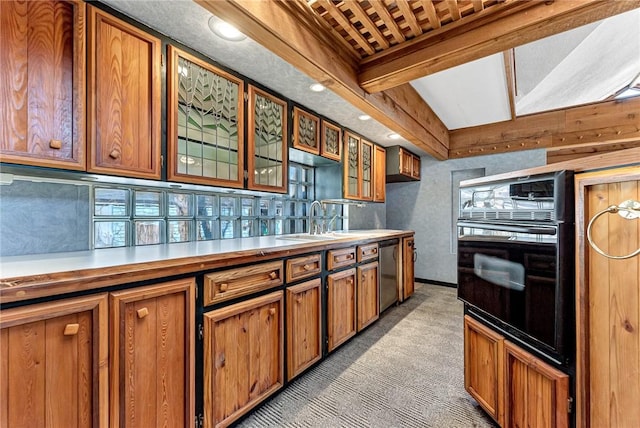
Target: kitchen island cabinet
[
  {"x": 243, "y": 357},
  {"x": 53, "y": 364}
]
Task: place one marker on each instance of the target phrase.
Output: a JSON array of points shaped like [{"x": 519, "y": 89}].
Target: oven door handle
[{"x": 534, "y": 230}]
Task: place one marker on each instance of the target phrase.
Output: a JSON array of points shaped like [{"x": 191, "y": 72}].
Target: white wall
[{"x": 426, "y": 207}]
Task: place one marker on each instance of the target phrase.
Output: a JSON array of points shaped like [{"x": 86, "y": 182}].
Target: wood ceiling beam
[
  {"x": 583, "y": 127},
  {"x": 344, "y": 23},
  {"x": 297, "y": 40},
  {"x": 453, "y": 9},
  {"x": 510, "y": 72},
  {"x": 388, "y": 20},
  {"x": 366, "y": 21},
  {"x": 432, "y": 15},
  {"x": 518, "y": 23}
]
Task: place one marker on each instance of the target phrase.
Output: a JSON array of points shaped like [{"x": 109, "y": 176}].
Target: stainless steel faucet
[{"x": 314, "y": 230}]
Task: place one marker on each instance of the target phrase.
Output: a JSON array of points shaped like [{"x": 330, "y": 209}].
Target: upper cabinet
[
  {"x": 306, "y": 131},
  {"x": 331, "y": 141},
  {"x": 379, "y": 176},
  {"x": 358, "y": 168},
  {"x": 124, "y": 95},
  {"x": 402, "y": 165},
  {"x": 267, "y": 145},
  {"x": 42, "y": 52},
  {"x": 205, "y": 122}
]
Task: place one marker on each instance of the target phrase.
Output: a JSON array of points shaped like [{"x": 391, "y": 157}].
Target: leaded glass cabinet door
[
  {"x": 366, "y": 192},
  {"x": 306, "y": 131},
  {"x": 331, "y": 141},
  {"x": 205, "y": 122},
  {"x": 352, "y": 170},
  {"x": 267, "y": 144}
]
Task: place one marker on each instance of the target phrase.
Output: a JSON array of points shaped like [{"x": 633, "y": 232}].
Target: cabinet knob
[
  {"x": 306, "y": 267},
  {"x": 223, "y": 287},
  {"x": 115, "y": 154},
  {"x": 350, "y": 281},
  {"x": 374, "y": 251},
  {"x": 71, "y": 329},
  {"x": 272, "y": 311},
  {"x": 142, "y": 312},
  {"x": 273, "y": 275},
  {"x": 349, "y": 256},
  {"x": 55, "y": 144},
  {"x": 299, "y": 299}
]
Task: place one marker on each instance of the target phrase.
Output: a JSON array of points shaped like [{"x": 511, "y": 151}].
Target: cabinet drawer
[
  {"x": 341, "y": 258},
  {"x": 232, "y": 283},
  {"x": 303, "y": 267},
  {"x": 367, "y": 252}
]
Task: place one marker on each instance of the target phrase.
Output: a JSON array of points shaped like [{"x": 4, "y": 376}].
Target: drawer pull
[
  {"x": 272, "y": 311},
  {"x": 142, "y": 312},
  {"x": 350, "y": 281},
  {"x": 306, "y": 267},
  {"x": 71, "y": 329},
  {"x": 374, "y": 251},
  {"x": 115, "y": 154},
  {"x": 299, "y": 299},
  {"x": 349, "y": 256},
  {"x": 55, "y": 144},
  {"x": 223, "y": 287},
  {"x": 273, "y": 275}
]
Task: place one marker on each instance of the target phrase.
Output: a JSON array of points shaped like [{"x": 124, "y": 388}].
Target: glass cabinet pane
[
  {"x": 331, "y": 141},
  {"x": 352, "y": 167},
  {"x": 306, "y": 135},
  {"x": 367, "y": 170},
  {"x": 204, "y": 122},
  {"x": 267, "y": 157}
]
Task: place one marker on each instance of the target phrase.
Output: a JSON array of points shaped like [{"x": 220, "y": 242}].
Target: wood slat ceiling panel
[{"x": 373, "y": 26}]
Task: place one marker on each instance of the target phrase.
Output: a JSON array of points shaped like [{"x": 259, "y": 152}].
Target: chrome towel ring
[{"x": 629, "y": 210}]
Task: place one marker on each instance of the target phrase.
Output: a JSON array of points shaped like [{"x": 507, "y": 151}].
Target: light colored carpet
[{"x": 405, "y": 370}]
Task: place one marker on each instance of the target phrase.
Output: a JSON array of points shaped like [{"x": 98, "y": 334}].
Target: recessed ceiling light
[
  {"x": 225, "y": 30},
  {"x": 317, "y": 87},
  {"x": 364, "y": 117},
  {"x": 393, "y": 136}
]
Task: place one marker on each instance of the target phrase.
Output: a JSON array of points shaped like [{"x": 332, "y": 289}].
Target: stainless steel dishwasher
[{"x": 388, "y": 273}]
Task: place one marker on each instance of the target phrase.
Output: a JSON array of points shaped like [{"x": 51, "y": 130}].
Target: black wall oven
[{"x": 516, "y": 259}]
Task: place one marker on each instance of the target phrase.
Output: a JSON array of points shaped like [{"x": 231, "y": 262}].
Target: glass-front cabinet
[
  {"x": 366, "y": 190},
  {"x": 306, "y": 131},
  {"x": 205, "y": 122},
  {"x": 267, "y": 144},
  {"x": 352, "y": 176},
  {"x": 331, "y": 146}
]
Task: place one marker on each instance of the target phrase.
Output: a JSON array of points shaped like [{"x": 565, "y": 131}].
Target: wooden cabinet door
[
  {"x": 536, "y": 394},
  {"x": 352, "y": 168},
  {"x": 608, "y": 302},
  {"x": 152, "y": 355},
  {"x": 304, "y": 326},
  {"x": 331, "y": 141},
  {"x": 267, "y": 153},
  {"x": 379, "y": 174},
  {"x": 483, "y": 362},
  {"x": 368, "y": 295},
  {"x": 366, "y": 170},
  {"x": 243, "y": 357},
  {"x": 415, "y": 167},
  {"x": 42, "y": 52},
  {"x": 341, "y": 307},
  {"x": 124, "y": 98},
  {"x": 408, "y": 271},
  {"x": 306, "y": 131},
  {"x": 406, "y": 162},
  {"x": 53, "y": 364}
]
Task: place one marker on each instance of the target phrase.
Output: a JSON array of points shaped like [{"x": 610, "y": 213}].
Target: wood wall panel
[{"x": 608, "y": 303}]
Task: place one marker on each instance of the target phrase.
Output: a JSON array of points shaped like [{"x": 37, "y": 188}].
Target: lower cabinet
[
  {"x": 408, "y": 270},
  {"x": 304, "y": 326},
  {"x": 152, "y": 355},
  {"x": 243, "y": 357},
  {"x": 483, "y": 354},
  {"x": 341, "y": 307},
  {"x": 53, "y": 364},
  {"x": 516, "y": 388},
  {"x": 368, "y": 295}
]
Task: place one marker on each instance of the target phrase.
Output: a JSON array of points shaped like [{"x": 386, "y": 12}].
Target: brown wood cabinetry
[
  {"x": 306, "y": 131},
  {"x": 535, "y": 394},
  {"x": 53, "y": 364},
  {"x": 367, "y": 252},
  {"x": 368, "y": 295},
  {"x": 483, "y": 362},
  {"x": 408, "y": 267},
  {"x": 341, "y": 307},
  {"x": 379, "y": 174},
  {"x": 42, "y": 52},
  {"x": 303, "y": 267},
  {"x": 402, "y": 165},
  {"x": 341, "y": 258},
  {"x": 152, "y": 355},
  {"x": 331, "y": 141},
  {"x": 608, "y": 302},
  {"x": 232, "y": 283},
  {"x": 243, "y": 357},
  {"x": 304, "y": 326},
  {"x": 359, "y": 173},
  {"x": 516, "y": 388},
  {"x": 124, "y": 72}
]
